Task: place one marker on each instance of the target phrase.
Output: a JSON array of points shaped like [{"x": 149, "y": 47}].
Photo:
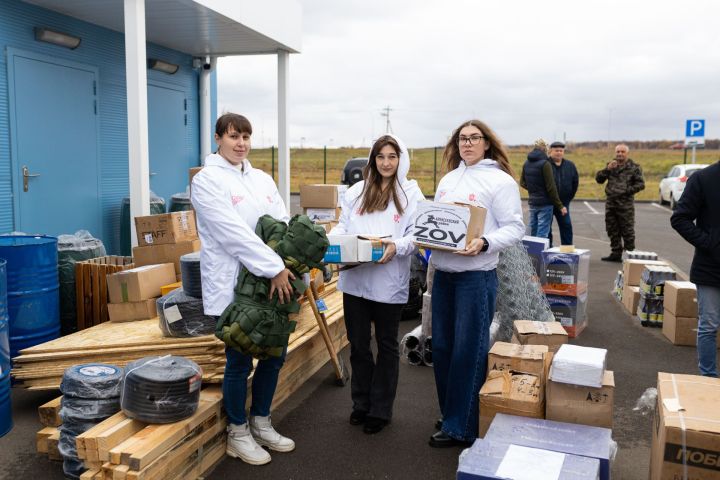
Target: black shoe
[
  {"x": 374, "y": 424},
  {"x": 612, "y": 258},
  {"x": 441, "y": 439},
  {"x": 438, "y": 424},
  {"x": 357, "y": 417}
]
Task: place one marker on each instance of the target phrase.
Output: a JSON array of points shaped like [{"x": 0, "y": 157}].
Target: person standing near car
[
  {"x": 465, "y": 283},
  {"x": 624, "y": 179},
  {"x": 697, "y": 219},
  {"x": 229, "y": 196},
  {"x": 384, "y": 203},
  {"x": 537, "y": 178},
  {"x": 566, "y": 181}
]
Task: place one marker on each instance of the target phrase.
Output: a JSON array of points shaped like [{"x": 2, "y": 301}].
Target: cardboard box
[
  {"x": 519, "y": 358},
  {"x": 571, "y": 312},
  {"x": 565, "y": 273},
  {"x": 632, "y": 270},
  {"x": 631, "y": 298},
  {"x": 131, "y": 311},
  {"x": 448, "y": 226},
  {"x": 681, "y": 298},
  {"x": 497, "y": 460},
  {"x": 514, "y": 393},
  {"x": 192, "y": 172},
  {"x": 171, "y": 253},
  {"x": 352, "y": 249},
  {"x": 582, "y": 440},
  {"x": 322, "y": 196},
  {"x": 686, "y": 433},
  {"x": 328, "y": 226},
  {"x": 139, "y": 283},
  {"x": 318, "y": 215},
  {"x": 166, "y": 228},
  {"x": 534, "y": 247},
  {"x": 681, "y": 330},
  {"x": 529, "y": 332},
  {"x": 583, "y": 405}
]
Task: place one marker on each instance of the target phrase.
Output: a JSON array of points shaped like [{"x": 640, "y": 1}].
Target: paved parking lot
[{"x": 329, "y": 448}]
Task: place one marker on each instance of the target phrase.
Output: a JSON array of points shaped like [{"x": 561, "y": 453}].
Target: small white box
[
  {"x": 579, "y": 365},
  {"x": 354, "y": 248}
]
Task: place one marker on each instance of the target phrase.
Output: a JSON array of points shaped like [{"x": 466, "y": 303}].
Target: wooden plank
[
  {"x": 103, "y": 292},
  {"x": 89, "y": 474},
  {"x": 49, "y": 413},
  {"x": 117, "y": 452},
  {"x": 79, "y": 297},
  {"x": 42, "y": 437},
  {"x": 52, "y": 442},
  {"x": 120, "y": 472},
  {"x": 210, "y": 457},
  {"x": 89, "y": 438},
  {"x": 95, "y": 295},
  {"x": 115, "y": 435},
  {"x": 87, "y": 292}
]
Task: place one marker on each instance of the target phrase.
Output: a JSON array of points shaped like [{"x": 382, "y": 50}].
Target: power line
[{"x": 386, "y": 113}]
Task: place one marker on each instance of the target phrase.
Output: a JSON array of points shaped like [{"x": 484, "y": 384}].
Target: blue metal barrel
[
  {"x": 32, "y": 289},
  {"x": 5, "y": 408}
]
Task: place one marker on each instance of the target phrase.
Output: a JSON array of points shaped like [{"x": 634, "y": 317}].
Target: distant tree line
[{"x": 710, "y": 144}]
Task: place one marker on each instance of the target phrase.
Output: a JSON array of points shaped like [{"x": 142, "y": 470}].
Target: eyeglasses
[{"x": 473, "y": 139}]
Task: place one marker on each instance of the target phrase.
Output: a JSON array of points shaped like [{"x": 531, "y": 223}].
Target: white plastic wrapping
[
  {"x": 646, "y": 402},
  {"x": 181, "y": 315}
]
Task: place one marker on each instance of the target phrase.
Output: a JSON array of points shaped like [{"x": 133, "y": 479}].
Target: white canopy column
[
  {"x": 137, "y": 116},
  {"x": 283, "y": 145}
]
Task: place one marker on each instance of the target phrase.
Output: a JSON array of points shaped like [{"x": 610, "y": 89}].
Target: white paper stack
[{"x": 579, "y": 366}]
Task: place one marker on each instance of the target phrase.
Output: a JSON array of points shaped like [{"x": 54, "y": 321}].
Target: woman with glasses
[
  {"x": 384, "y": 203},
  {"x": 465, "y": 283}
]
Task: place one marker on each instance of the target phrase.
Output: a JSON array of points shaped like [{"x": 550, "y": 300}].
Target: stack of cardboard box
[
  {"x": 565, "y": 283},
  {"x": 164, "y": 238},
  {"x": 652, "y": 294},
  {"x": 322, "y": 203},
  {"x": 680, "y": 315},
  {"x": 133, "y": 292},
  {"x": 632, "y": 271}
]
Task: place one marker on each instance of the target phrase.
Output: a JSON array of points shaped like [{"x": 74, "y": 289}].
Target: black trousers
[{"x": 374, "y": 381}]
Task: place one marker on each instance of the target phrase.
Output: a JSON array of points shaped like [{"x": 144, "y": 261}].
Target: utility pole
[{"x": 386, "y": 113}]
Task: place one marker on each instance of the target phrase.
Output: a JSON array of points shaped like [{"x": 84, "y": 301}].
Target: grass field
[{"x": 307, "y": 166}]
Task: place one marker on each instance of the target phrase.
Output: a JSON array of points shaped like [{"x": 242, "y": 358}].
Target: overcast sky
[{"x": 590, "y": 70}]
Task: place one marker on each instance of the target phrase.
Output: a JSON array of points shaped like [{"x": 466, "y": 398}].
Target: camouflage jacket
[{"x": 622, "y": 182}]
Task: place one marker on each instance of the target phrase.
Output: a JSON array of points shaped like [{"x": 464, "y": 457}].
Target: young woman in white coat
[
  {"x": 384, "y": 203},
  {"x": 465, "y": 283},
  {"x": 229, "y": 196}
]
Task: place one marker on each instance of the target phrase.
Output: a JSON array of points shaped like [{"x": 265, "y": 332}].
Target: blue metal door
[
  {"x": 167, "y": 139},
  {"x": 54, "y": 134}
]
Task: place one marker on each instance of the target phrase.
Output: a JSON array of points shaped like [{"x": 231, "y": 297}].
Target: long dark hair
[
  {"x": 374, "y": 197},
  {"x": 497, "y": 152}
]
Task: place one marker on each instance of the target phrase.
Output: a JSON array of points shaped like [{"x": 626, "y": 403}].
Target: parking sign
[{"x": 694, "y": 132}]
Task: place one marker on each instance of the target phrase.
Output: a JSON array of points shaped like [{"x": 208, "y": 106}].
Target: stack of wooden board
[
  {"x": 46, "y": 440},
  {"x": 41, "y": 367},
  {"x": 91, "y": 293}
]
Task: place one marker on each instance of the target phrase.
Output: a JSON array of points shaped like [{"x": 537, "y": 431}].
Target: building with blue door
[{"x": 108, "y": 99}]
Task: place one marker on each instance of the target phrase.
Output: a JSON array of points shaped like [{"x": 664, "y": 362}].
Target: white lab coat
[
  {"x": 228, "y": 202},
  {"x": 484, "y": 184},
  {"x": 385, "y": 283}
]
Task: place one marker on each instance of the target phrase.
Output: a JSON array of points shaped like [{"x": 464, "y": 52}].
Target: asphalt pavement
[{"x": 328, "y": 447}]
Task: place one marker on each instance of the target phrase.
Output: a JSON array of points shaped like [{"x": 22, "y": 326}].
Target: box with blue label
[
  {"x": 352, "y": 249},
  {"x": 534, "y": 247},
  {"x": 565, "y": 273},
  {"x": 571, "y": 312},
  {"x": 570, "y": 438},
  {"x": 489, "y": 459}
]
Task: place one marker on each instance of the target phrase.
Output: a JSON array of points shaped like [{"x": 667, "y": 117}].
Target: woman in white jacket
[
  {"x": 465, "y": 283},
  {"x": 384, "y": 203},
  {"x": 229, "y": 196}
]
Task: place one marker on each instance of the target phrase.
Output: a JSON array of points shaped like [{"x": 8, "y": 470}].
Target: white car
[{"x": 673, "y": 185}]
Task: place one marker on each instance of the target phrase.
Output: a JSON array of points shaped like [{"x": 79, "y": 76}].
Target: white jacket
[
  {"x": 228, "y": 203},
  {"x": 484, "y": 184},
  {"x": 385, "y": 283}
]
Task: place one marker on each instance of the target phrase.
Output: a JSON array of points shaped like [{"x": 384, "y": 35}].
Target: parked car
[
  {"x": 353, "y": 171},
  {"x": 673, "y": 184}
]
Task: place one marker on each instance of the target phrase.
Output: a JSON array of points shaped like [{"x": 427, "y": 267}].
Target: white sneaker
[
  {"x": 264, "y": 434},
  {"x": 242, "y": 445}
]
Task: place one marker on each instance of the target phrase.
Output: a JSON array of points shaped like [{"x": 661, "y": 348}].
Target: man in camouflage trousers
[{"x": 624, "y": 179}]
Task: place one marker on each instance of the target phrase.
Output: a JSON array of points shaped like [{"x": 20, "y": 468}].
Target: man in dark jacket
[
  {"x": 537, "y": 178},
  {"x": 697, "y": 219},
  {"x": 566, "y": 181},
  {"x": 624, "y": 179}
]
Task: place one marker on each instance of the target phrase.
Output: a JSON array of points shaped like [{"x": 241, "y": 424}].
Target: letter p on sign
[{"x": 695, "y": 128}]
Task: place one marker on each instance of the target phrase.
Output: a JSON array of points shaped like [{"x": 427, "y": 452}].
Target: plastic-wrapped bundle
[
  {"x": 618, "y": 285},
  {"x": 161, "y": 389},
  {"x": 91, "y": 381},
  {"x": 72, "y": 249},
  {"x": 639, "y": 255},
  {"x": 650, "y": 311},
  {"x": 190, "y": 270},
  {"x": 519, "y": 295},
  {"x": 652, "y": 280},
  {"x": 181, "y": 315}
]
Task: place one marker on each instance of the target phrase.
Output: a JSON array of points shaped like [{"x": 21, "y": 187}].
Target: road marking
[
  {"x": 661, "y": 207},
  {"x": 604, "y": 242},
  {"x": 594, "y": 212}
]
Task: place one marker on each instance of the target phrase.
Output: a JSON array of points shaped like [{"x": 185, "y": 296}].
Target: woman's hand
[
  {"x": 473, "y": 248},
  {"x": 390, "y": 250},
  {"x": 281, "y": 283}
]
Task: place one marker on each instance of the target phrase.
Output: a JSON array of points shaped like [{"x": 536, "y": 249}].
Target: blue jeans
[
  {"x": 463, "y": 306},
  {"x": 564, "y": 225},
  {"x": 264, "y": 381},
  {"x": 540, "y": 220},
  {"x": 708, "y": 322}
]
